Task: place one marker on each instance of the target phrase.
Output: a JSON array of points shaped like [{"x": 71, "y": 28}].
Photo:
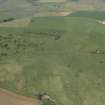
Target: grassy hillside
[{"x": 57, "y": 55}]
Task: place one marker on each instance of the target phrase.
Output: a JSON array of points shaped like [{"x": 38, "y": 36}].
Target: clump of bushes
[
  {"x": 7, "y": 20},
  {"x": 56, "y": 34}
]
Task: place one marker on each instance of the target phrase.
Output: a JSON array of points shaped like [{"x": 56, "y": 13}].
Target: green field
[
  {"x": 100, "y": 15},
  {"x": 56, "y": 55}
]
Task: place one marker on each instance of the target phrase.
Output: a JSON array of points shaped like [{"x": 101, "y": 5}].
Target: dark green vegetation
[
  {"x": 55, "y": 55},
  {"x": 100, "y": 15},
  {"x": 7, "y": 20}
]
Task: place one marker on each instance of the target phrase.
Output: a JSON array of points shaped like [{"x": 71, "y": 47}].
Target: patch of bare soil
[
  {"x": 64, "y": 13},
  {"x": 9, "y": 98},
  {"x": 53, "y": 14}
]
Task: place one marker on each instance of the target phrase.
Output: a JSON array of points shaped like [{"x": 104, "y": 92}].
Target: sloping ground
[
  {"x": 56, "y": 55},
  {"x": 9, "y": 98}
]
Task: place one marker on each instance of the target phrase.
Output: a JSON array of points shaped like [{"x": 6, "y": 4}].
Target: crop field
[
  {"x": 99, "y": 15},
  {"x": 63, "y": 56}
]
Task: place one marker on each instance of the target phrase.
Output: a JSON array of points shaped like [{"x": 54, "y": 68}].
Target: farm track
[{"x": 9, "y": 98}]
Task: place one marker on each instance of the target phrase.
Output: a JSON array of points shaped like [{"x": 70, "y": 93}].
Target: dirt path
[{"x": 9, "y": 98}]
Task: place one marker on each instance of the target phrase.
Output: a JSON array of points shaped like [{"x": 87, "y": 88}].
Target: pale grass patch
[{"x": 8, "y": 71}]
